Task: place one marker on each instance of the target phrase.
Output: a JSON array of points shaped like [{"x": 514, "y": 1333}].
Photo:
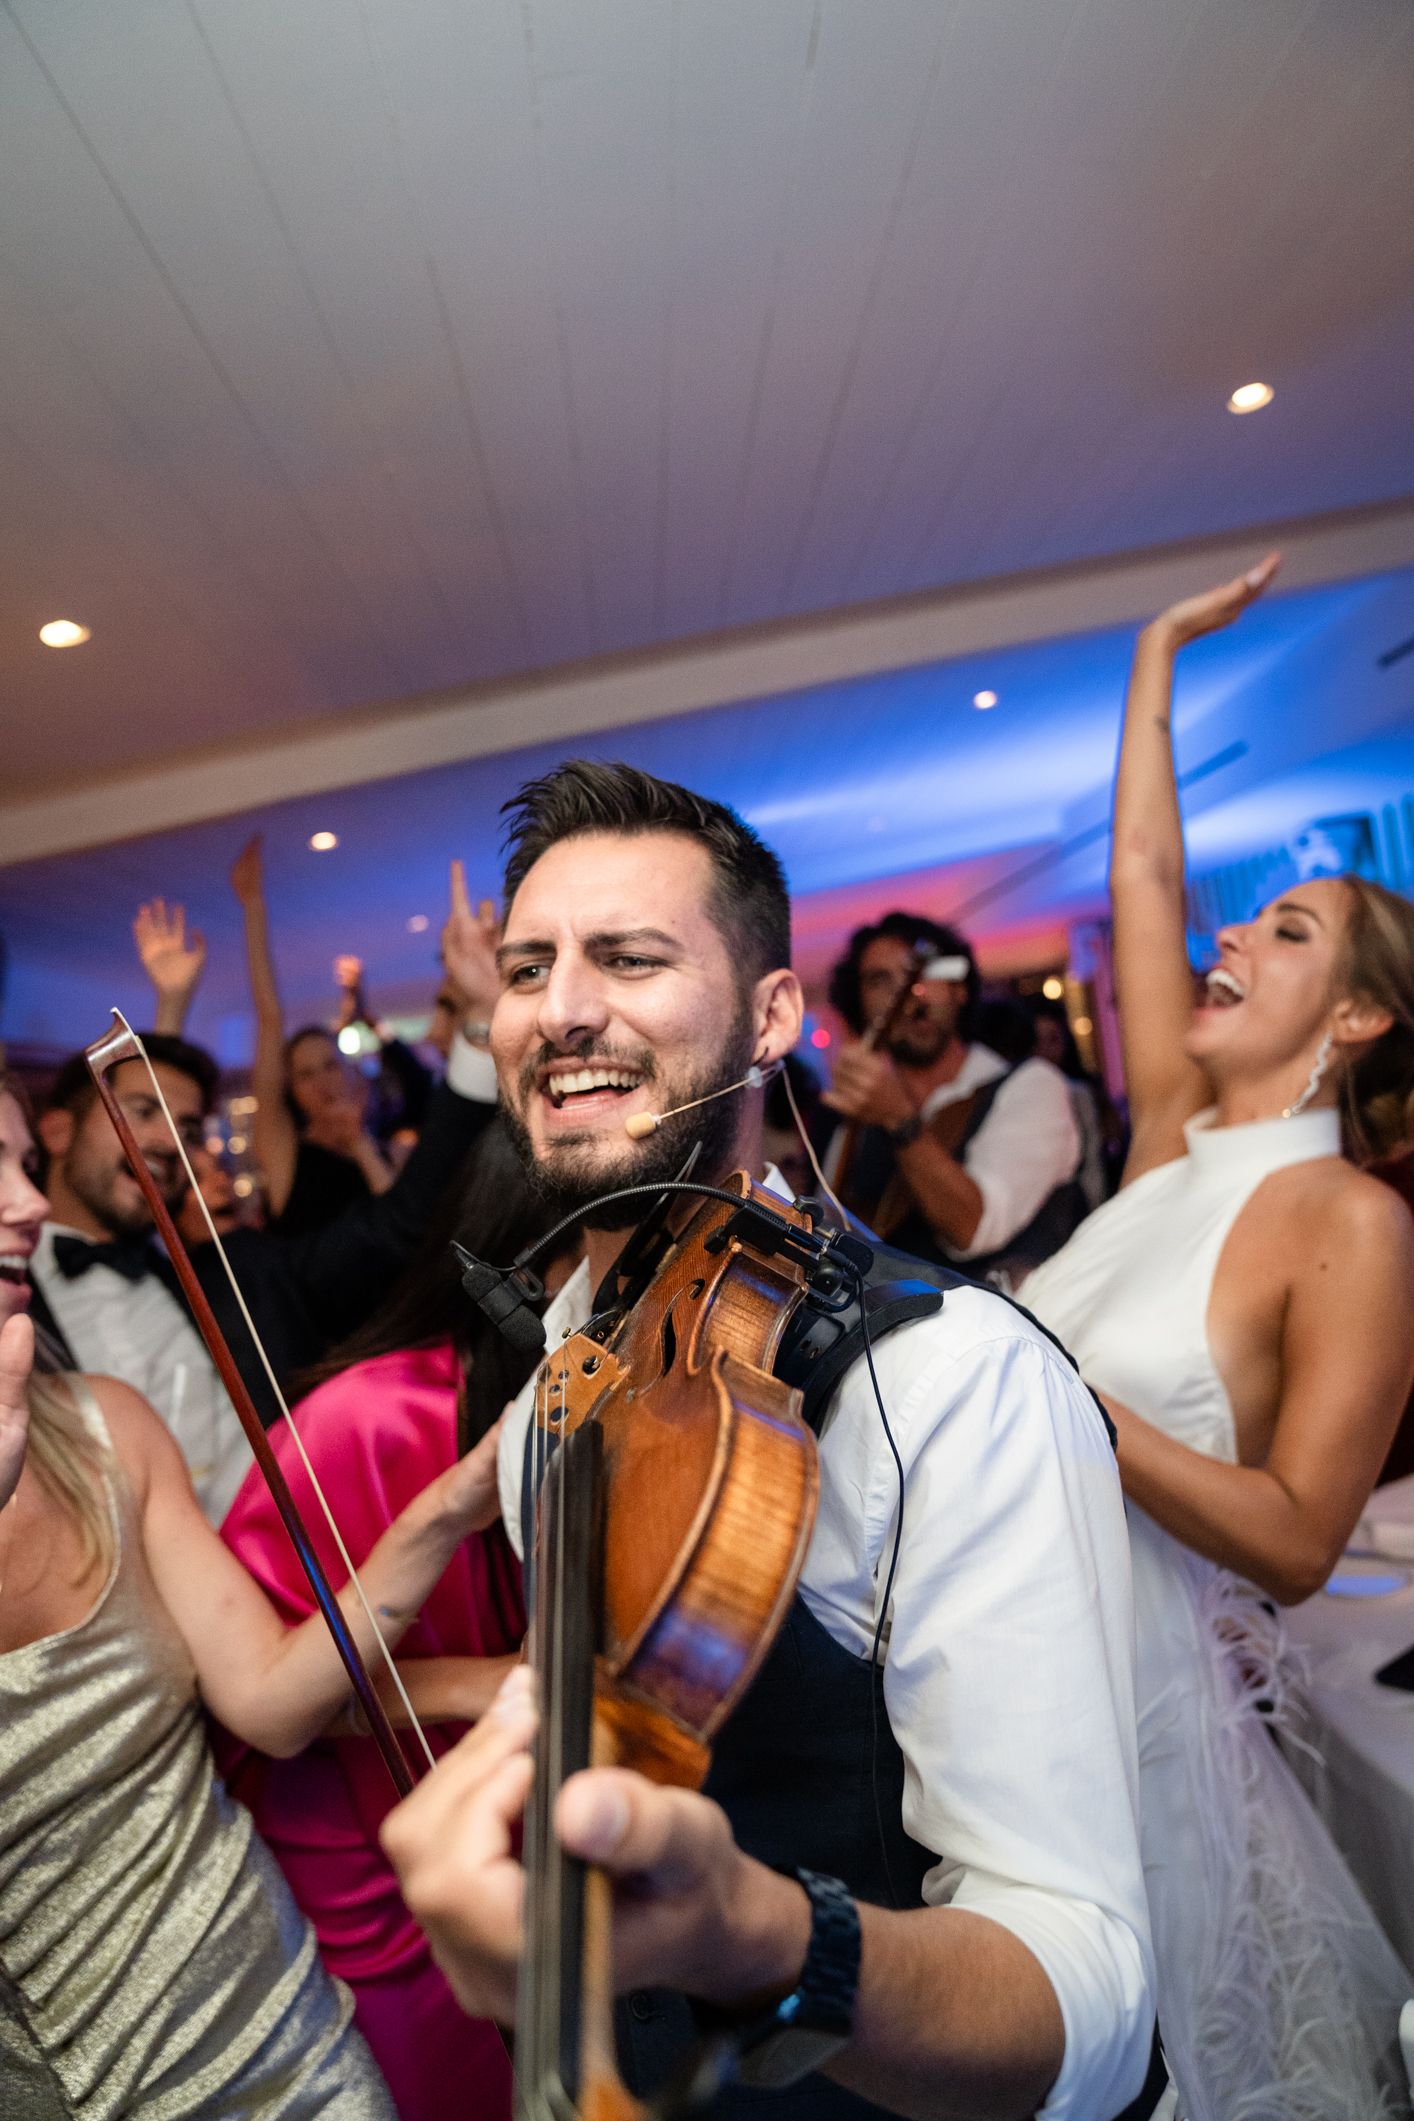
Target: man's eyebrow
[
  {"x": 601, "y": 939},
  {"x": 531, "y": 949},
  {"x": 614, "y": 939}
]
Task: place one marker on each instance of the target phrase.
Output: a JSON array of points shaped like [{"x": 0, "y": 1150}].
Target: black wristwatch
[
  {"x": 907, "y": 1130},
  {"x": 777, "y": 2046}
]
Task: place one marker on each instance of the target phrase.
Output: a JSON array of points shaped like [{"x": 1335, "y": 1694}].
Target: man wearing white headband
[{"x": 945, "y": 1149}]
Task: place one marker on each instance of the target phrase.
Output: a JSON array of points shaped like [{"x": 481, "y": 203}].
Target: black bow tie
[{"x": 132, "y": 1257}]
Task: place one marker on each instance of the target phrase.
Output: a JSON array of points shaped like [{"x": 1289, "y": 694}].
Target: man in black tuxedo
[{"x": 106, "y": 1297}]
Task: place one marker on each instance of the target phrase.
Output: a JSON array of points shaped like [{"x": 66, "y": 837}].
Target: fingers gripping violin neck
[{"x": 676, "y": 1487}]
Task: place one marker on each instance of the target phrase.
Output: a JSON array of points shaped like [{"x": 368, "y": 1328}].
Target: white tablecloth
[{"x": 1363, "y": 1781}]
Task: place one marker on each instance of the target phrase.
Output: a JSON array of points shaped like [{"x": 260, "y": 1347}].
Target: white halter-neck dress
[{"x": 1279, "y": 1996}]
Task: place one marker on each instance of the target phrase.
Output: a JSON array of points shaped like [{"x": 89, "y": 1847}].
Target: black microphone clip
[{"x": 506, "y": 1300}]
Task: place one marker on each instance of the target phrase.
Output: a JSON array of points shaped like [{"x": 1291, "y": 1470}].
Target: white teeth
[
  {"x": 592, "y": 1079},
  {"x": 1223, "y": 982}
]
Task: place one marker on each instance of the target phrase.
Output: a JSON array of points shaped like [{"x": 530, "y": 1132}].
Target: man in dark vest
[
  {"x": 943, "y": 1148},
  {"x": 950, "y": 1918}
]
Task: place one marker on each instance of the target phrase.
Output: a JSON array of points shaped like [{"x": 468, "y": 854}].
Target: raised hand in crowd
[
  {"x": 172, "y": 958},
  {"x": 469, "y": 953},
  {"x": 308, "y": 1078}
]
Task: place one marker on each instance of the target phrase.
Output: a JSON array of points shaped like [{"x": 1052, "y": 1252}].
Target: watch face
[{"x": 786, "y": 2055}]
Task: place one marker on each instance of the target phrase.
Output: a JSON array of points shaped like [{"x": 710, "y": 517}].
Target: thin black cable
[
  {"x": 663, "y": 1185},
  {"x": 876, "y": 1682}
]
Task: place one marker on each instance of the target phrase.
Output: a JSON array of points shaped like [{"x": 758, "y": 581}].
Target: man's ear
[
  {"x": 778, "y": 1010},
  {"x": 57, "y": 1129},
  {"x": 1357, "y": 1021}
]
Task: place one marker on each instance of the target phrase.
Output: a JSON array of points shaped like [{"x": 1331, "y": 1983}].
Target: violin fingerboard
[{"x": 568, "y": 1571}]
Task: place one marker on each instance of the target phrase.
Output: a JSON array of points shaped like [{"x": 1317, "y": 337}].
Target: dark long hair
[
  {"x": 490, "y": 1208},
  {"x": 913, "y": 929}
]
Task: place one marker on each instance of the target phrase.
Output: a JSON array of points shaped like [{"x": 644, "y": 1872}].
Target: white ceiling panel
[{"x": 352, "y": 349}]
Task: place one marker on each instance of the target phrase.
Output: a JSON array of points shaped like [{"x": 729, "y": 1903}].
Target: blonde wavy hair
[
  {"x": 1377, "y": 965},
  {"x": 62, "y": 1452}
]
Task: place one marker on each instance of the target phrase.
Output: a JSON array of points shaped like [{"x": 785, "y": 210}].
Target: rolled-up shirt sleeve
[
  {"x": 1009, "y": 1675},
  {"x": 1027, "y": 1146}
]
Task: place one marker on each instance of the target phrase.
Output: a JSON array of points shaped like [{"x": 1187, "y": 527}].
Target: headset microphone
[{"x": 642, "y": 1124}]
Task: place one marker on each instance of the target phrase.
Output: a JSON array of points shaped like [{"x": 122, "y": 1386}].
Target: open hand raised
[{"x": 172, "y": 959}]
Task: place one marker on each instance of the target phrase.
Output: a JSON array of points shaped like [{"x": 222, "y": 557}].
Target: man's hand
[
  {"x": 16, "y": 1358},
  {"x": 469, "y": 949},
  {"x": 693, "y": 1911},
  {"x": 247, "y": 880},
  {"x": 172, "y": 960},
  {"x": 868, "y": 1088}
]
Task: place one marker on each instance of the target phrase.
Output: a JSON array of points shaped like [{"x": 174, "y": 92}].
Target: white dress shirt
[
  {"x": 1009, "y": 1674},
  {"x": 139, "y": 1332}
]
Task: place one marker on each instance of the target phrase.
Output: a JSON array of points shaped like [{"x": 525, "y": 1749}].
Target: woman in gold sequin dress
[{"x": 153, "y": 1966}]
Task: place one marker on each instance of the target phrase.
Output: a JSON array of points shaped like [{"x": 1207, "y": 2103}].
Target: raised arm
[
  {"x": 172, "y": 960},
  {"x": 274, "y": 1133},
  {"x": 1152, "y": 974},
  {"x": 278, "y": 1688}
]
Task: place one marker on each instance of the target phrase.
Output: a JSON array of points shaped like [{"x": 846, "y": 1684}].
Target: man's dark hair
[
  {"x": 74, "y": 1088},
  {"x": 913, "y": 929},
  {"x": 749, "y": 903}
]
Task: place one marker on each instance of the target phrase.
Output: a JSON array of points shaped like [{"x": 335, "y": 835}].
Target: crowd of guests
[{"x": 180, "y": 1941}]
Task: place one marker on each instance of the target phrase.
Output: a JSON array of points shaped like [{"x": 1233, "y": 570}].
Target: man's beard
[
  {"x": 919, "y": 1044},
  {"x": 96, "y": 1187},
  {"x": 572, "y": 1176}
]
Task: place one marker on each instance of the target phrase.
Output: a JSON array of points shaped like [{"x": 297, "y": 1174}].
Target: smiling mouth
[
  {"x": 566, "y": 1086},
  {"x": 14, "y": 1267},
  {"x": 1222, "y": 990}
]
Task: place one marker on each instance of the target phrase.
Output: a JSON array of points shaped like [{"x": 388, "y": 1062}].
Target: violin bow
[{"x": 120, "y": 1044}]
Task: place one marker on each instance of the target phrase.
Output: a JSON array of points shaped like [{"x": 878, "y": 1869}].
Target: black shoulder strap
[
  {"x": 982, "y": 1103},
  {"x": 820, "y": 1344}
]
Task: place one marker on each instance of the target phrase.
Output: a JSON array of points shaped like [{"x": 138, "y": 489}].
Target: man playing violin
[{"x": 973, "y": 1861}]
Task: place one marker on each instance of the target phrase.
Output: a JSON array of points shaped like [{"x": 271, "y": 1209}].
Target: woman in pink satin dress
[{"x": 398, "y": 1404}]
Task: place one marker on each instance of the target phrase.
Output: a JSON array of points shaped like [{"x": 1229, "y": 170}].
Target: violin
[{"x": 677, "y": 1487}]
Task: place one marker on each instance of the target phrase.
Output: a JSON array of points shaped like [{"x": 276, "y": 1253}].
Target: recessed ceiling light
[
  {"x": 321, "y": 842},
  {"x": 63, "y": 633},
  {"x": 1251, "y": 397},
  {"x": 984, "y": 699},
  {"x": 349, "y": 1040},
  {"x": 418, "y": 924},
  {"x": 1053, "y": 989}
]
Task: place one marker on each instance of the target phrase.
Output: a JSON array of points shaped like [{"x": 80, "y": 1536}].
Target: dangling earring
[{"x": 1322, "y": 1062}]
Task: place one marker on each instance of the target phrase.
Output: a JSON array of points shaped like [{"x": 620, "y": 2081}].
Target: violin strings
[{"x": 279, "y": 1395}]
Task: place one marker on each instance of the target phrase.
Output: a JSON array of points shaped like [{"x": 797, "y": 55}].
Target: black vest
[{"x": 805, "y": 1727}]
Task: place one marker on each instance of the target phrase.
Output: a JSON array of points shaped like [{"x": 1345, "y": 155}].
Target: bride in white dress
[{"x": 1245, "y": 1307}]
